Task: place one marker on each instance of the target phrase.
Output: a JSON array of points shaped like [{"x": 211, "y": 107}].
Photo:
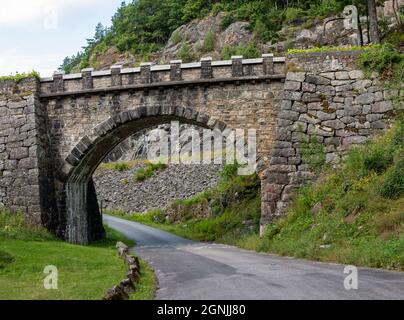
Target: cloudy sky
[{"x": 38, "y": 34}]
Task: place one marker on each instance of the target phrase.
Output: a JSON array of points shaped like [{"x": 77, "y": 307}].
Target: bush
[
  {"x": 147, "y": 172},
  {"x": 227, "y": 20},
  {"x": 176, "y": 37},
  {"x": 324, "y": 9},
  {"x": 121, "y": 166},
  {"x": 18, "y": 77},
  {"x": 185, "y": 53},
  {"x": 383, "y": 59},
  {"x": 209, "y": 41},
  {"x": 292, "y": 14},
  {"x": 392, "y": 186},
  {"x": 247, "y": 51}
]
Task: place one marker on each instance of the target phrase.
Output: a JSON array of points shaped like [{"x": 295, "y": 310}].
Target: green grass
[
  {"x": 120, "y": 166},
  {"x": 20, "y": 76},
  {"x": 354, "y": 215},
  {"x": 388, "y": 62},
  {"x": 146, "y": 288},
  {"x": 85, "y": 272},
  {"x": 332, "y": 49},
  {"x": 148, "y": 171}
]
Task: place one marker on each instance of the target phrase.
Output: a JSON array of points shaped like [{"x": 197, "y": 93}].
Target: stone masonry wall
[
  {"x": 23, "y": 157},
  {"x": 329, "y": 102}
]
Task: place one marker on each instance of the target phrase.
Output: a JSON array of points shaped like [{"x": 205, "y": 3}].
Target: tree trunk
[{"x": 373, "y": 28}]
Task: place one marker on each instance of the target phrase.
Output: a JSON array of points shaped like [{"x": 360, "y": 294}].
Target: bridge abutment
[{"x": 26, "y": 179}]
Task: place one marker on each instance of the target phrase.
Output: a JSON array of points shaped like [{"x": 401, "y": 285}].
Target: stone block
[
  {"x": 356, "y": 74},
  {"x": 342, "y": 75},
  {"x": 299, "y": 126},
  {"x": 311, "y": 97},
  {"x": 293, "y": 85},
  {"x": 19, "y": 153},
  {"x": 296, "y": 76},
  {"x": 292, "y": 95},
  {"x": 353, "y": 140},
  {"x": 325, "y": 115},
  {"x": 288, "y": 115},
  {"x": 328, "y": 75},
  {"x": 308, "y": 87},
  {"x": 334, "y": 124},
  {"x": 382, "y": 106},
  {"x": 365, "y": 98},
  {"x": 308, "y": 119},
  {"x": 317, "y": 80}
]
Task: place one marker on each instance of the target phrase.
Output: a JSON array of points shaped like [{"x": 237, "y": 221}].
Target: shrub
[
  {"x": 324, "y": 9},
  {"x": 247, "y": 51},
  {"x": 121, "y": 166},
  {"x": 185, "y": 53},
  {"x": 382, "y": 59},
  {"x": 147, "y": 172},
  {"x": 227, "y": 20},
  {"x": 262, "y": 32},
  {"x": 18, "y": 77},
  {"x": 292, "y": 13},
  {"x": 392, "y": 185},
  {"x": 209, "y": 41},
  {"x": 217, "y": 7},
  {"x": 176, "y": 37}
]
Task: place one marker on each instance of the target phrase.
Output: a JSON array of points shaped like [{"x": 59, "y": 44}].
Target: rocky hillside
[
  {"x": 119, "y": 190},
  {"x": 147, "y": 30}
]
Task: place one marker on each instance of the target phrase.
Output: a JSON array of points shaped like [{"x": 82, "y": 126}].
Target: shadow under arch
[{"x": 83, "y": 219}]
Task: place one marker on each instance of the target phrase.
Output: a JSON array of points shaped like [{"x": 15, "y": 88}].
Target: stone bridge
[
  {"x": 54, "y": 132},
  {"x": 71, "y": 122}
]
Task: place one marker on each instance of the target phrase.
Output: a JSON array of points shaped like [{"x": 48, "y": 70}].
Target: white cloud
[
  {"x": 17, "y": 12},
  {"x": 10, "y": 63}
]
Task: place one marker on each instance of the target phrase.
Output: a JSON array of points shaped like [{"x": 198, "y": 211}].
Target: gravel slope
[{"x": 119, "y": 190}]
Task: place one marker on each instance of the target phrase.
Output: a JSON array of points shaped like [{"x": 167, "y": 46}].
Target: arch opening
[{"x": 83, "y": 218}]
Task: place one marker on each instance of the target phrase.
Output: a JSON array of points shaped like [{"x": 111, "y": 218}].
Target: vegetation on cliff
[
  {"x": 142, "y": 27},
  {"x": 18, "y": 77},
  {"x": 84, "y": 272}
]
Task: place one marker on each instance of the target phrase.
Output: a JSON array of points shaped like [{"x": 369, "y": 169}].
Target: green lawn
[{"x": 85, "y": 272}]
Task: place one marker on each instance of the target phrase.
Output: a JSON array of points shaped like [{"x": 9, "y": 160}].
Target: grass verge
[
  {"x": 84, "y": 272},
  {"x": 354, "y": 215}
]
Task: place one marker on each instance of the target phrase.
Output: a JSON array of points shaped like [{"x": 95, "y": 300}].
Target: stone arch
[{"x": 83, "y": 221}]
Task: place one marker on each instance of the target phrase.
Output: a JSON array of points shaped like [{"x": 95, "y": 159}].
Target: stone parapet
[{"x": 149, "y": 75}]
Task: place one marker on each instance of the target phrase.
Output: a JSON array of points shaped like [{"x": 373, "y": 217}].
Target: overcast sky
[{"x": 38, "y": 34}]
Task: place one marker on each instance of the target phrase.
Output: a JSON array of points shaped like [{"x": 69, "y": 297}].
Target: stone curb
[{"x": 127, "y": 285}]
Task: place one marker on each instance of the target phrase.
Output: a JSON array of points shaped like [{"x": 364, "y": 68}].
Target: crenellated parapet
[{"x": 149, "y": 75}]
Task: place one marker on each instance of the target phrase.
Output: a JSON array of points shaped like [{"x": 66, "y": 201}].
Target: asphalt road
[{"x": 201, "y": 271}]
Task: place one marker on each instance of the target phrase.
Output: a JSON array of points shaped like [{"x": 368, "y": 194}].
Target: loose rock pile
[{"x": 119, "y": 190}]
